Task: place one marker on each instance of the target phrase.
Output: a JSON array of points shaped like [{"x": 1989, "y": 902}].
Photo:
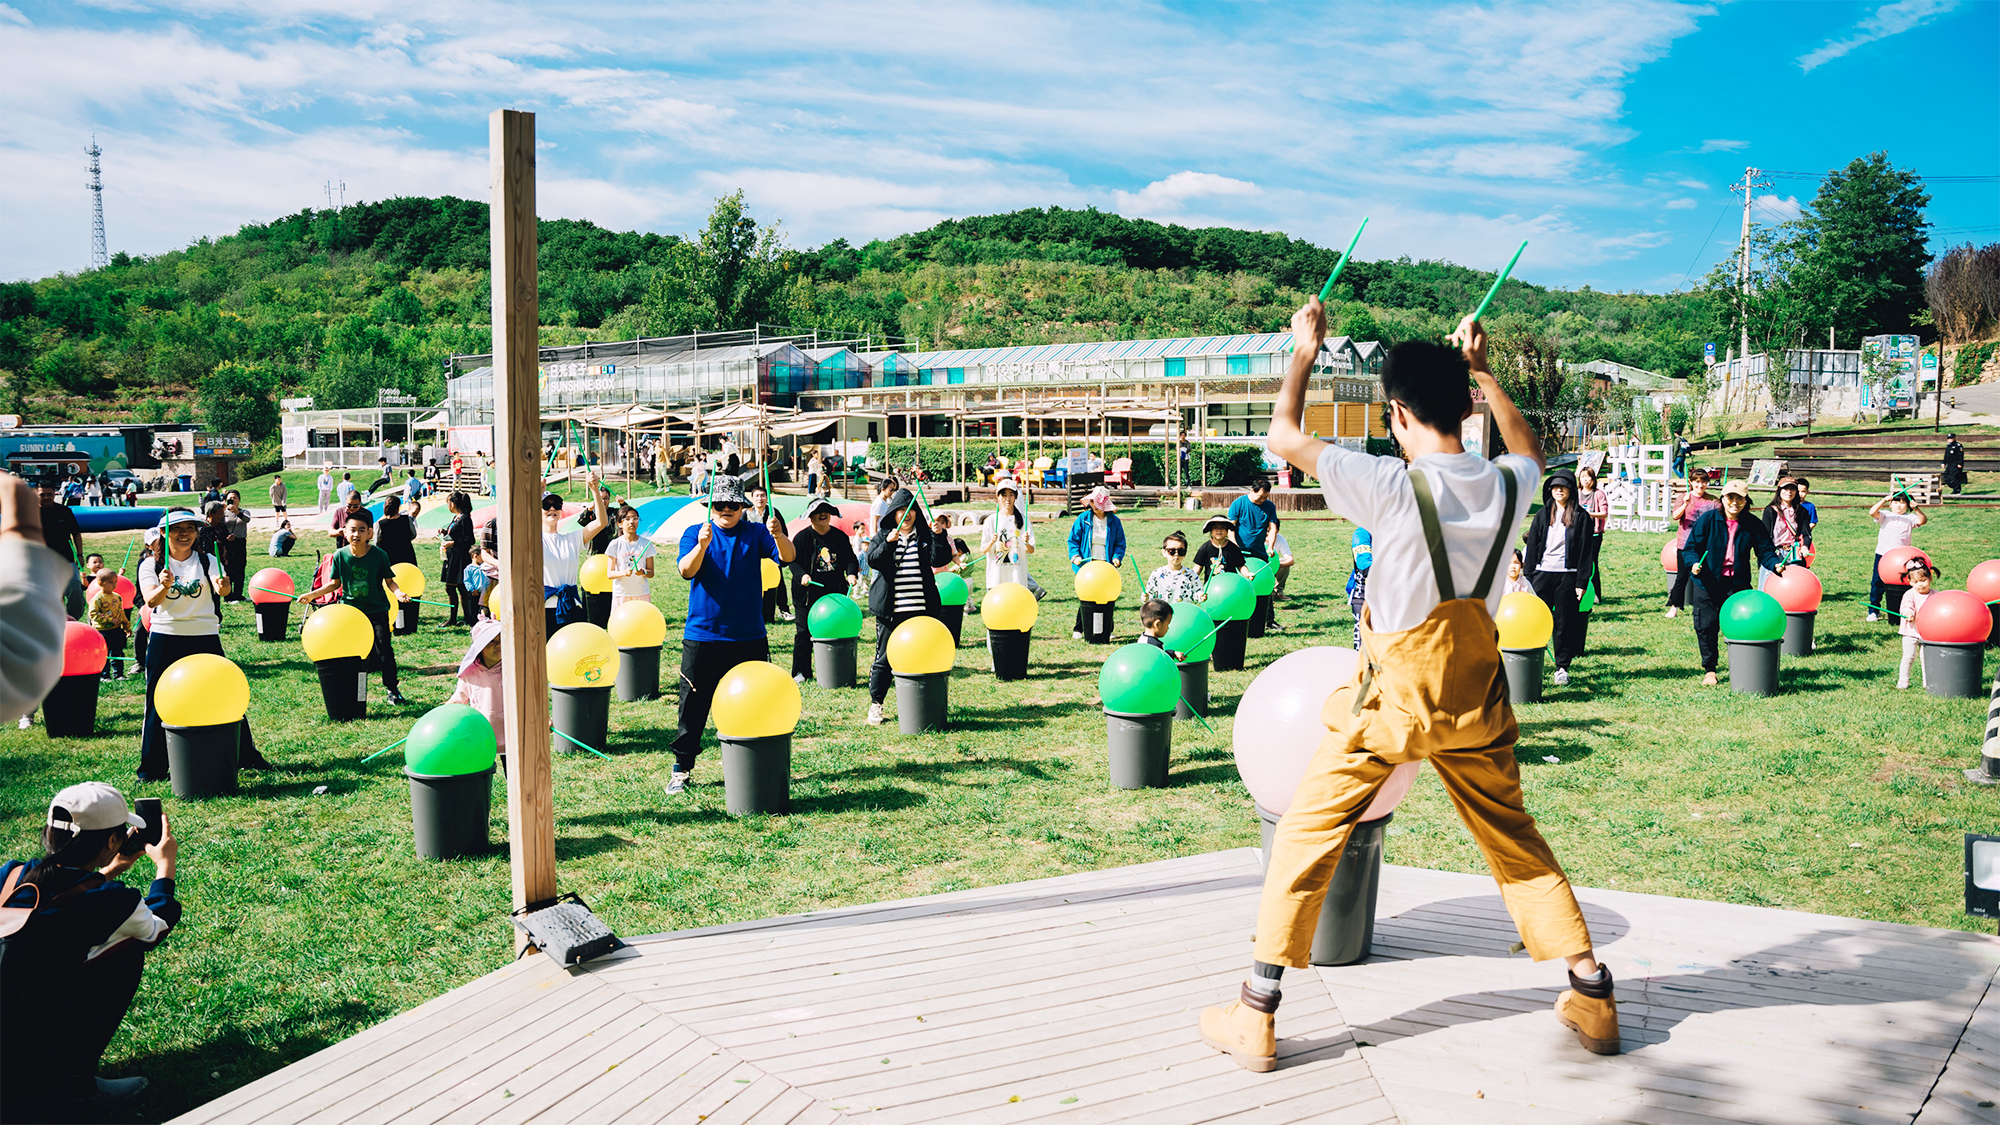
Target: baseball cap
[
  {"x": 1736, "y": 488},
  {"x": 172, "y": 518},
  {"x": 91, "y": 805}
]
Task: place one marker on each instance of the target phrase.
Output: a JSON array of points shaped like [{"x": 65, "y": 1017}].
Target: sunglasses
[
  {"x": 725, "y": 509},
  {"x": 1176, "y": 550}
]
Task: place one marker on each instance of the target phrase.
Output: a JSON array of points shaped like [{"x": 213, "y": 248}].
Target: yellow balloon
[
  {"x": 770, "y": 573},
  {"x": 921, "y": 645},
  {"x": 582, "y": 655},
  {"x": 1009, "y": 606},
  {"x": 409, "y": 579},
  {"x": 202, "y": 690},
  {"x": 336, "y": 631},
  {"x": 756, "y": 699},
  {"x": 637, "y": 625},
  {"x": 1524, "y": 621},
  {"x": 1097, "y": 581},
  {"x": 595, "y": 574}
]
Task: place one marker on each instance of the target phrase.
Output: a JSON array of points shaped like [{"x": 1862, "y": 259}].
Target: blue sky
[{"x": 1605, "y": 133}]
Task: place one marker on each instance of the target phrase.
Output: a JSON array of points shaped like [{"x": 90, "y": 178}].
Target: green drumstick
[
  {"x": 593, "y": 750},
  {"x": 1327, "y": 289},
  {"x": 385, "y": 749},
  {"x": 1498, "y": 281}
]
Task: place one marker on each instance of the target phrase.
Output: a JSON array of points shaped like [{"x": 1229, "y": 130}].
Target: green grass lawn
[{"x": 309, "y": 918}]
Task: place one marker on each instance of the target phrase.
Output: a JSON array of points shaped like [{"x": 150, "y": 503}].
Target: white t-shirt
[
  {"x": 562, "y": 553},
  {"x": 1555, "y": 550},
  {"x": 189, "y": 610},
  {"x": 1893, "y": 530},
  {"x": 343, "y": 488},
  {"x": 1375, "y": 493},
  {"x": 1011, "y": 563},
  {"x": 630, "y": 556}
]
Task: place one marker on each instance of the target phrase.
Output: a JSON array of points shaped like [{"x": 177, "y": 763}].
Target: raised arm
[
  {"x": 1288, "y": 438},
  {"x": 1514, "y": 429}
]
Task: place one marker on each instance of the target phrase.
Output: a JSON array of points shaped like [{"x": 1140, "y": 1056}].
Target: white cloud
[
  {"x": 1170, "y": 195},
  {"x": 1723, "y": 146},
  {"x": 1770, "y": 208},
  {"x": 1692, "y": 185},
  {"x": 1887, "y": 20},
  {"x": 13, "y": 15},
  {"x": 1682, "y": 204}
]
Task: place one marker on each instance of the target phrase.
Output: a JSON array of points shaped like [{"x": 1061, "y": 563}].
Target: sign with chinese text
[{"x": 220, "y": 445}]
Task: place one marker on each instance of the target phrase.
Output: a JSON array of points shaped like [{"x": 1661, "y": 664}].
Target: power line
[
  {"x": 1723, "y": 214},
  {"x": 1926, "y": 179}
]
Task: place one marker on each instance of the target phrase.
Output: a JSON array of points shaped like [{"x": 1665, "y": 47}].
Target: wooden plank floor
[{"x": 1074, "y": 999}]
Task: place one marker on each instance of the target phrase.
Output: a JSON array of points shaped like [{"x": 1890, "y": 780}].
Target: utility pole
[
  {"x": 1749, "y": 188},
  {"x": 99, "y": 257}
]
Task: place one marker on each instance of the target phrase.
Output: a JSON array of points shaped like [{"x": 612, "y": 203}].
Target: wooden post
[{"x": 517, "y": 413}]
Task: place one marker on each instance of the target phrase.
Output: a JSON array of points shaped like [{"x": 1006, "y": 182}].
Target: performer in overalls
[{"x": 1428, "y": 686}]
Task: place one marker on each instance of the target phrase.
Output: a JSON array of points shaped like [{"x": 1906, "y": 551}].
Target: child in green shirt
[{"x": 361, "y": 575}]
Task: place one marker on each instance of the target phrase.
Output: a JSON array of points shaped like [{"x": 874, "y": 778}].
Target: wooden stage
[{"x": 1074, "y": 999}]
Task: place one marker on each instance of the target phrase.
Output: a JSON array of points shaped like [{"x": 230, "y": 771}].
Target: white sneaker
[
  {"x": 799, "y": 677},
  {"x": 1074, "y": 635},
  {"x": 1673, "y": 611},
  {"x": 1562, "y": 677},
  {"x": 24, "y": 723},
  {"x": 1874, "y": 617},
  {"x": 874, "y": 714},
  {"x": 676, "y": 782}
]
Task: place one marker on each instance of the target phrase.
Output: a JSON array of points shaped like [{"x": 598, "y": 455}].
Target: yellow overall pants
[{"x": 1432, "y": 693}]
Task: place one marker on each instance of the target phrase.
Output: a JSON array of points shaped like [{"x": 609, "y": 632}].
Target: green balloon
[
  {"x": 834, "y": 617},
  {"x": 1752, "y": 615},
  {"x": 1192, "y": 633},
  {"x": 952, "y": 589},
  {"x": 1230, "y": 598},
  {"x": 1265, "y": 581},
  {"x": 450, "y": 740},
  {"x": 1139, "y": 680}
]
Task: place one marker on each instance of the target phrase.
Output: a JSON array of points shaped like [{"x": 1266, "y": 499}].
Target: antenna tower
[{"x": 99, "y": 258}]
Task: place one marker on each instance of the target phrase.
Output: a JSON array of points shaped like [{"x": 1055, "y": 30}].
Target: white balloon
[{"x": 1278, "y": 728}]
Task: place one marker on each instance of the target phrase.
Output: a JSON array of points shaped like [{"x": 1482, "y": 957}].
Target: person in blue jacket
[
  {"x": 1718, "y": 557},
  {"x": 1096, "y": 536}
]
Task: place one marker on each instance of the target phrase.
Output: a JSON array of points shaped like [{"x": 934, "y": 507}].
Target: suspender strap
[
  {"x": 1504, "y": 537},
  {"x": 1433, "y": 534}
]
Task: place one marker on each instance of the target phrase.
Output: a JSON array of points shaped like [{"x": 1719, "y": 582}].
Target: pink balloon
[
  {"x": 127, "y": 593},
  {"x": 1984, "y": 581},
  {"x": 1798, "y": 589},
  {"x": 1278, "y": 729},
  {"x": 1670, "y": 557},
  {"x": 1953, "y": 617}
]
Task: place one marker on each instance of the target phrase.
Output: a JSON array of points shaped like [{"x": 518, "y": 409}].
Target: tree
[
  {"x": 236, "y": 398},
  {"x": 1858, "y": 250},
  {"x": 1527, "y": 364},
  {"x": 729, "y": 277},
  {"x": 1963, "y": 289}
]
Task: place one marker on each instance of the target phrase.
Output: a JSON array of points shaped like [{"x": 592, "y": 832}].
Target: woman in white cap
[
  {"x": 184, "y": 588},
  {"x": 1097, "y": 536},
  {"x": 1007, "y": 538},
  {"x": 76, "y": 950}
]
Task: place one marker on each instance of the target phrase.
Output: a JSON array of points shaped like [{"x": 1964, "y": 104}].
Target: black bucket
[
  {"x": 953, "y": 617},
  {"x": 69, "y": 710},
  {"x": 1524, "y": 673},
  {"x": 757, "y": 774},
  {"x": 921, "y": 700},
  {"x": 1194, "y": 690},
  {"x": 1346, "y": 926},
  {"x": 1753, "y": 666},
  {"x": 1228, "y": 655},
  {"x": 1993, "y": 634},
  {"x": 638, "y": 674},
  {"x": 1259, "y": 617},
  {"x": 833, "y": 663},
  {"x": 343, "y": 684},
  {"x": 1009, "y": 649},
  {"x": 1099, "y": 619},
  {"x": 1799, "y": 633},
  {"x": 1955, "y": 671},
  {"x": 450, "y": 813},
  {"x": 597, "y": 608},
  {"x": 581, "y": 713},
  {"x": 1138, "y": 746},
  {"x": 274, "y": 619},
  {"x": 406, "y": 617},
  {"x": 202, "y": 760}
]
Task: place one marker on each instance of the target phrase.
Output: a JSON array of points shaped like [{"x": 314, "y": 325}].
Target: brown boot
[
  {"x": 1589, "y": 1009},
  {"x": 1244, "y": 1030}
]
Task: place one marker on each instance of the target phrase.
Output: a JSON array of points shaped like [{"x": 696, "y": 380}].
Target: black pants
[
  {"x": 114, "y": 646},
  {"x": 775, "y": 599},
  {"x": 236, "y": 563},
  {"x": 703, "y": 664},
  {"x": 56, "y": 1060},
  {"x": 1707, "y": 623},
  {"x": 1596, "y": 567},
  {"x": 1679, "y": 594},
  {"x": 456, "y": 597},
  {"x": 161, "y": 651},
  {"x": 809, "y": 594},
  {"x": 880, "y": 676},
  {"x": 1557, "y": 588},
  {"x": 382, "y": 658}
]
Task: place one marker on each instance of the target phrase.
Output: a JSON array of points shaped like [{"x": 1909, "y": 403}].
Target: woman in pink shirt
[
  {"x": 1689, "y": 510},
  {"x": 1593, "y": 501}
]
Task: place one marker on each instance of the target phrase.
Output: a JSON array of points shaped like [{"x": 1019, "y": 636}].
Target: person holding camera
[{"x": 76, "y": 943}]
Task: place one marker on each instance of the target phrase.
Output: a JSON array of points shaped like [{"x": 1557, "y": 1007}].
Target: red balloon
[
  {"x": 1798, "y": 590},
  {"x": 271, "y": 579},
  {"x": 146, "y": 617},
  {"x": 1890, "y": 569},
  {"x": 127, "y": 593},
  {"x": 84, "y": 653},
  {"x": 1670, "y": 557},
  {"x": 1953, "y": 617},
  {"x": 1984, "y": 581}
]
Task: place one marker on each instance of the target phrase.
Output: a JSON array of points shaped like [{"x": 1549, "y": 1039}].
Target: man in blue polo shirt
[
  {"x": 1252, "y": 514},
  {"x": 723, "y": 556}
]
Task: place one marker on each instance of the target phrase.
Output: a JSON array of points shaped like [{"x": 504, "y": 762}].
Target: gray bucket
[
  {"x": 582, "y": 713},
  {"x": 69, "y": 710},
  {"x": 1099, "y": 620},
  {"x": 1228, "y": 655},
  {"x": 1009, "y": 650},
  {"x": 1955, "y": 671},
  {"x": 1799, "y": 633},
  {"x": 1753, "y": 666},
  {"x": 921, "y": 700},
  {"x": 406, "y": 617},
  {"x": 274, "y": 619},
  {"x": 757, "y": 774},
  {"x": 450, "y": 812},
  {"x": 833, "y": 663},
  {"x": 202, "y": 760},
  {"x": 638, "y": 674},
  {"x": 1524, "y": 673},
  {"x": 1139, "y": 746},
  {"x": 343, "y": 687},
  {"x": 1194, "y": 690},
  {"x": 1346, "y": 926}
]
